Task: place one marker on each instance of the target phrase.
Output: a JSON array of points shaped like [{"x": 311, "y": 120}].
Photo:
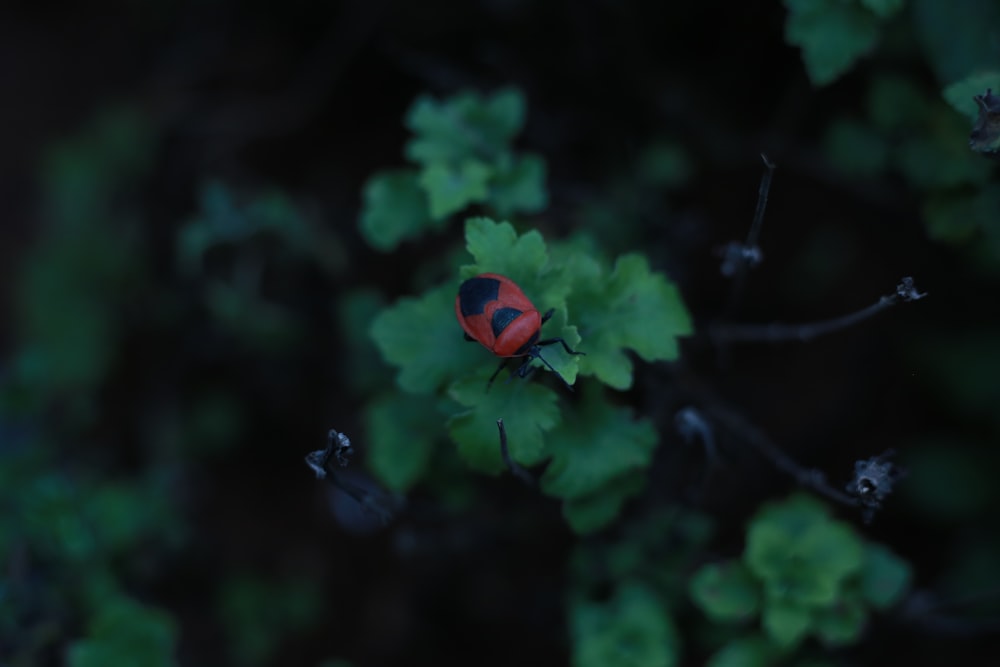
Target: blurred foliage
[
  {"x": 804, "y": 574},
  {"x": 462, "y": 147}
]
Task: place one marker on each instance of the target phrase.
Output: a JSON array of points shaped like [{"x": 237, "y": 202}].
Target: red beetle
[{"x": 493, "y": 310}]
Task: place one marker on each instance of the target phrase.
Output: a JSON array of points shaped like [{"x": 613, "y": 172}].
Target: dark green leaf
[
  {"x": 726, "y": 591},
  {"x": 632, "y": 308},
  {"x": 518, "y": 186},
  {"x": 452, "y": 187},
  {"x": 402, "y": 430},
  {"x": 885, "y": 577},
  {"x": 632, "y": 629},
  {"x": 528, "y": 409},
  {"x": 395, "y": 209},
  {"x": 832, "y": 34},
  {"x": 423, "y": 338}
]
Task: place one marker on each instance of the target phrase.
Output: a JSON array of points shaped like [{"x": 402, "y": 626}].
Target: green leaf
[
  {"x": 258, "y": 614},
  {"x": 518, "y": 186},
  {"x": 464, "y": 126},
  {"x": 745, "y": 652},
  {"x": 856, "y": 149},
  {"x": 402, "y": 430},
  {"x": 883, "y": 8},
  {"x": 939, "y": 157},
  {"x": 726, "y": 591},
  {"x": 633, "y": 308},
  {"x": 959, "y": 94},
  {"x": 599, "y": 444},
  {"x": 589, "y": 514},
  {"x": 422, "y": 337},
  {"x": 958, "y": 36},
  {"x": 363, "y": 367},
  {"x": 842, "y": 623},
  {"x": 958, "y": 217},
  {"x": 832, "y": 34},
  {"x": 395, "y": 209},
  {"x": 528, "y": 410},
  {"x": 632, "y": 629},
  {"x": 452, "y": 187},
  {"x": 786, "y": 622},
  {"x": 125, "y": 632},
  {"x": 664, "y": 164},
  {"x": 800, "y": 552},
  {"x": 897, "y": 104},
  {"x": 885, "y": 577},
  {"x": 496, "y": 248}
]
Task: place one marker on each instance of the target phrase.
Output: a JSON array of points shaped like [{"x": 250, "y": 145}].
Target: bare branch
[{"x": 776, "y": 332}]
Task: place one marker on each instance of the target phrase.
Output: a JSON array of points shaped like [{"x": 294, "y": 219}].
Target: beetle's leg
[
  {"x": 468, "y": 337},
  {"x": 548, "y": 315},
  {"x": 550, "y": 341},
  {"x": 489, "y": 382}
]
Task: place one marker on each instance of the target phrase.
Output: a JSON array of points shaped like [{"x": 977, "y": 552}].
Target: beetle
[{"x": 494, "y": 311}]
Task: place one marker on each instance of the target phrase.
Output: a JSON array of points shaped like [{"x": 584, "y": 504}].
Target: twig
[
  {"x": 807, "y": 477},
  {"x": 737, "y": 257},
  {"x": 923, "y": 609},
  {"x": 338, "y": 449},
  {"x": 515, "y": 468},
  {"x": 776, "y": 332}
]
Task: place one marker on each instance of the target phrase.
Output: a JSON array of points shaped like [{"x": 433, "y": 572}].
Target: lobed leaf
[
  {"x": 518, "y": 185},
  {"x": 395, "y": 209},
  {"x": 416, "y": 334},
  {"x": 632, "y": 629},
  {"x": 726, "y": 591},
  {"x": 885, "y": 577},
  {"x": 401, "y": 434},
  {"x": 463, "y": 126},
  {"x": 832, "y": 34},
  {"x": 600, "y": 444},
  {"x": 590, "y": 513},
  {"x": 528, "y": 410},
  {"x": 450, "y": 187},
  {"x": 633, "y": 308}
]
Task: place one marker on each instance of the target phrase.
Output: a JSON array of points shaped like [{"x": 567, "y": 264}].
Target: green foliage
[
  {"x": 835, "y": 34},
  {"x": 70, "y": 291},
  {"x": 599, "y": 454},
  {"x": 958, "y": 37},
  {"x": 402, "y": 431},
  {"x": 806, "y": 574},
  {"x": 857, "y": 148},
  {"x": 638, "y": 310},
  {"x": 598, "y": 458},
  {"x": 413, "y": 335},
  {"x": 726, "y": 591},
  {"x": 395, "y": 209},
  {"x": 258, "y": 614},
  {"x": 126, "y": 634},
  {"x": 231, "y": 245},
  {"x": 631, "y": 629},
  {"x": 746, "y": 652},
  {"x": 462, "y": 148},
  {"x": 959, "y": 94}
]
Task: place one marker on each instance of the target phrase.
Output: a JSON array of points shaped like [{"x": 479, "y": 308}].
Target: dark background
[{"x": 308, "y": 98}]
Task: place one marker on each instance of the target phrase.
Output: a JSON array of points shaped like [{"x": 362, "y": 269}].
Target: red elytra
[{"x": 493, "y": 310}]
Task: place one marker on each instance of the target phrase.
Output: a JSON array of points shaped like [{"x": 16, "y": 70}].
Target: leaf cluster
[
  {"x": 802, "y": 574},
  {"x": 462, "y": 156},
  {"x": 596, "y": 455}
]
